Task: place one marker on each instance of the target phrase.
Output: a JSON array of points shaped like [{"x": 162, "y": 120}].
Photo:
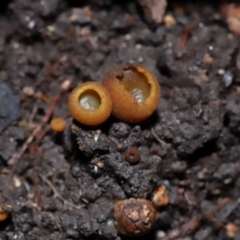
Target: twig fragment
[
  {"x": 29, "y": 140},
  {"x": 163, "y": 144},
  {"x": 57, "y": 194},
  {"x": 194, "y": 223}
]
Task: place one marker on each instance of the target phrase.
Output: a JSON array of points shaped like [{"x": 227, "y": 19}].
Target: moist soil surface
[{"x": 65, "y": 185}]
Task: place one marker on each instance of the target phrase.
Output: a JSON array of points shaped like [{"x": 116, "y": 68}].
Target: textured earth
[{"x": 64, "y": 186}]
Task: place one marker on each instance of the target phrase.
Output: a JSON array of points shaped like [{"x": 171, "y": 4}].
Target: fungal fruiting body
[
  {"x": 58, "y": 124},
  {"x": 3, "y": 215},
  {"x": 4, "y": 212},
  {"x": 132, "y": 155},
  {"x": 134, "y": 217},
  {"x": 135, "y": 92},
  {"x": 90, "y": 103}
]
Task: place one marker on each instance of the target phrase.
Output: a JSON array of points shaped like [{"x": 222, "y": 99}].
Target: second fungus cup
[
  {"x": 90, "y": 104},
  {"x": 135, "y": 92},
  {"x": 4, "y": 211},
  {"x": 58, "y": 125},
  {"x": 3, "y": 215}
]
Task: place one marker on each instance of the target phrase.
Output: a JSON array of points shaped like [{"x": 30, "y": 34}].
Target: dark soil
[{"x": 63, "y": 186}]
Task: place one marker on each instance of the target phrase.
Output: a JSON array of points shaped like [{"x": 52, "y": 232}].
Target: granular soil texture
[{"x": 65, "y": 185}]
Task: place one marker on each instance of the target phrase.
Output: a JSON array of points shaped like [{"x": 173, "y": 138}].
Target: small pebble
[
  {"x": 221, "y": 71},
  {"x": 28, "y": 91},
  {"x": 179, "y": 166},
  {"x": 81, "y": 15},
  {"x": 160, "y": 234},
  {"x": 227, "y": 78},
  {"x": 66, "y": 85},
  {"x": 169, "y": 21},
  {"x": 31, "y": 24}
]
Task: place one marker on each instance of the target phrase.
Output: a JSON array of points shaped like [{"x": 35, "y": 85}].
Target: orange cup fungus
[
  {"x": 3, "y": 215},
  {"x": 90, "y": 103},
  {"x": 134, "y": 91},
  {"x": 58, "y": 125},
  {"x": 4, "y": 212}
]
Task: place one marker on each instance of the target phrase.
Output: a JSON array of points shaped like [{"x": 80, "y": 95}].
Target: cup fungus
[
  {"x": 134, "y": 217},
  {"x": 3, "y": 215},
  {"x": 134, "y": 91},
  {"x": 90, "y": 104},
  {"x": 4, "y": 212},
  {"x": 58, "y": 125},
  {"x": 132, "y": 155}
]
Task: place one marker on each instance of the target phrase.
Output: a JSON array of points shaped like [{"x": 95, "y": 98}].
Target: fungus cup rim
[{"x": 90, "y": 117}]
